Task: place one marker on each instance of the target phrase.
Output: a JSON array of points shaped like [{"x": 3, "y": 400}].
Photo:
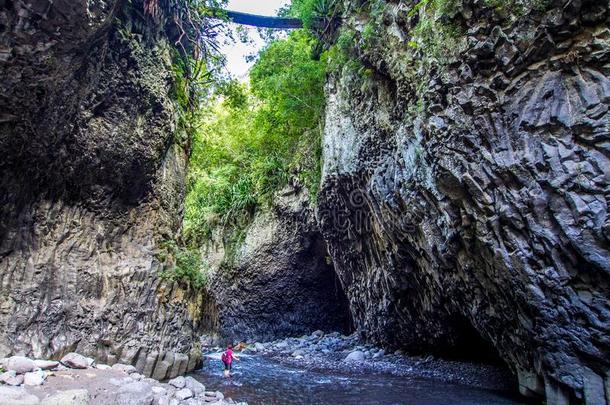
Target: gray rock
[
  {"x": 183, "y": 394},
  {"x": 102, "y": 367},
  {"x": 178, "y": 382},
  {"x": 125, "y": 368},
  {"x": 70, "y": 397},
  {"x": 11, "y": 378},
  {"x": 121, "y": 381},
  {"x": 20, "y": 364},
  {"x": 355, "y": 356},
  {"x": 136, "y": 376},
  {"x": 194, "y": 385},
  {"x": 135, "y": 393},
  {"x": 16, "y": 396},
  {"x": 46, "y": 364},
  {"x": 78, "y": 361},
  {"x": 159, "y": 391},
  {"x": 34, "y": 378}
]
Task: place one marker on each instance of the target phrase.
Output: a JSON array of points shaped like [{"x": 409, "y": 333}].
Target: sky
[{"x": 237, "y": 52}]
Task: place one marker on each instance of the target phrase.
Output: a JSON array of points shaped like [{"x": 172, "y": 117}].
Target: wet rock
[
  {"x": 70, "y": 397},
  {"x": 75, "y": 360},
  {"x": 16, "y": 396},
  {"x": 355, "y": 356},
  {"x": 20, "y": 364},
  {"x": 135, "y": 393},
  {"x": 34, "y": 378}
]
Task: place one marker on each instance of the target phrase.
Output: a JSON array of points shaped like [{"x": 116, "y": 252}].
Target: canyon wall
[
  {"x": 465, "y": 184},
  {"x": 91, "y": 183},
  {"x": 277, "y": 281}
]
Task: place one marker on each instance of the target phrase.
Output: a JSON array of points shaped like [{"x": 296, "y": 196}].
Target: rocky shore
[
  {"x": 348, "y": 354},
  {"x": 78, "y": 380}
]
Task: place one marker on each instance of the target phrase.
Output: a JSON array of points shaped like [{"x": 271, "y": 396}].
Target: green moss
[{"x": 181, "y": 265}]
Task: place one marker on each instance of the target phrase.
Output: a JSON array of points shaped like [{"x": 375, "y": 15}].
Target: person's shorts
[{"x": 227, "y": 366}]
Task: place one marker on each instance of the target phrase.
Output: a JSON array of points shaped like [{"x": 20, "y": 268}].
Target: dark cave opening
[{"x": 470, "y": 346}]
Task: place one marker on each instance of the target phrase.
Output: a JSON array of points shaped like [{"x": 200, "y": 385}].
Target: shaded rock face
[
  {"x": 487, "y": 209},
  {"x": 90, "y": 182},
  {"x": 279, "y": 282}
]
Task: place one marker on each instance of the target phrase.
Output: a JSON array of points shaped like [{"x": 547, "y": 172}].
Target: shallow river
[{"x": 262, "y": 381}]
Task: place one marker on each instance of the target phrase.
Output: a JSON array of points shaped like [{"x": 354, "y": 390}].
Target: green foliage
[
  {"x": 182, "y": 265},
  {"x": 435, "y": 32},
  {"x": 310, "y": 10},
  {"x": 253, "y": 141}
]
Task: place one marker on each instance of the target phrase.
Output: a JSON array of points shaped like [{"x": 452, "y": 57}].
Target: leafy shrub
[
  {"x": 182, "y": 265},
  {"x": 253, "y": 140}
]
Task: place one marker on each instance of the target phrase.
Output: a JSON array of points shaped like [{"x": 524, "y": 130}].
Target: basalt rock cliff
[
  {"x": 91, "y": 182},
  {"x": 278, "y": 282},
  {"x": 465, "y": 188}
]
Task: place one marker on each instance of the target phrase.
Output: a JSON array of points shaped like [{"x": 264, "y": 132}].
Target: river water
[{"x": 263, "y": 381}]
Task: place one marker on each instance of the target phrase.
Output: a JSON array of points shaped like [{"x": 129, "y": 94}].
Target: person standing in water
[{"x": 227, "y": 359}]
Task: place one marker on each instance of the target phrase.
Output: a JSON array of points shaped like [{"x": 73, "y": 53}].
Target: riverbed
[{"x": 262, "y": 380}]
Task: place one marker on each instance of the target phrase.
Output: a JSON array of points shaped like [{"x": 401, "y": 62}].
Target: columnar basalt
[
  {"x": 471, "y": 192},
  {"x": 278, "y": 281},
  {"x": 91, "y": 181}
]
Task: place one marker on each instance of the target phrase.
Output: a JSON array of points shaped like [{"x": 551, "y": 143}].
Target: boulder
[
  {"x": 20, "y": 364},
  {"x": 135, "y": 393},
  {"x": 75, "y": 360},
  {"x": 124, "y": 368},
  {"x": 34, "y": 378},
  {"x": 159, "y": 391},
  {"x": 16, "y": 396},
  {"x": 195, "y": 386},
  {"x": 71, "y": 397},
  {"x": 178, "y": 382},
  {"x": 46, "y": 364},
  {"x": 183, "y": 394},
  {"x": 11, "y": 378},
  {"x": 356, "y": 355}
]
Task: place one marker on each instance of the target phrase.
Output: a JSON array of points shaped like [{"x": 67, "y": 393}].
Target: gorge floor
[{"x": 313, "y": 369}]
